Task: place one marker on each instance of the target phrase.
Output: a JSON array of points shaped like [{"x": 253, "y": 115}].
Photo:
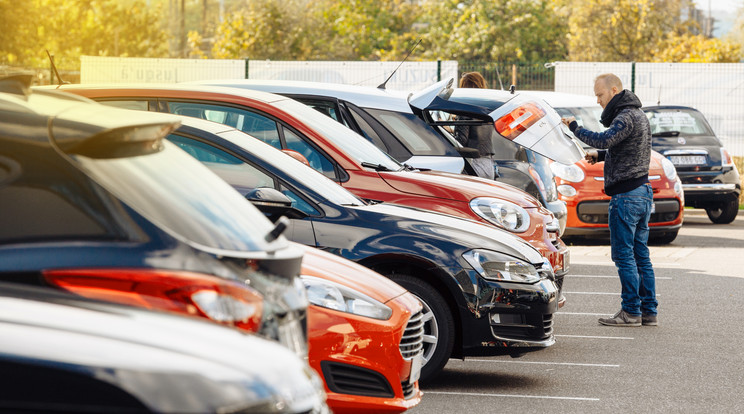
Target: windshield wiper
[
  {"x": 666, "y": 134},
  {"x": 376, "y": 167}
]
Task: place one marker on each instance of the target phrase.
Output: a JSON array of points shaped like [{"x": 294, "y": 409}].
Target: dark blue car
[
  {"x": 93, "y": 200},
  {"x": 484, "y": 290}
]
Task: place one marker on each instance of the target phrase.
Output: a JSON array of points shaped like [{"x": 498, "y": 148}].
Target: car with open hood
[
  {"x": 95, "y": 201},
  {"x": 581, "y": 185},
  {"x": 709, "y": 175},
  {"x": 483, "y": 290},
  {"x": 61, "y": 353},
  {"x": 347, "y": 158}
]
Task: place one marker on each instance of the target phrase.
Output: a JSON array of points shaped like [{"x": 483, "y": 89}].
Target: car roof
[
  {"x": 264, "y": 97},
  {"x": 363, "y": 96}
]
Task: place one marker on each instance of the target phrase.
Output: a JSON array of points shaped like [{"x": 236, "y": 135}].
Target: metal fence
[{"x": 501, "y": 75}]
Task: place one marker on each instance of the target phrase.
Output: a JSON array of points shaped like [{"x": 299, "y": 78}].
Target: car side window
[
  {"x": 252, "y": 123},
  {"x": 241, "y": 175},
  {"x": 367, "y": 131},
  {"x": 318, "y": 161}
]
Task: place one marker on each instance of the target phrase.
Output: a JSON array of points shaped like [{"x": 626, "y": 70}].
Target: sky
[
  {"x": 726, "y": 5},
  {"x": 724, "y": 11}
]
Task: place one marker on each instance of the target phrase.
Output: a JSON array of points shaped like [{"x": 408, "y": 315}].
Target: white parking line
[
  {"x": 612, "y": 277},
  {"x": 576, "y": 364},
  {"x": 595, "y": 337},
  {"x": 479, "y": 394},
  {"x": 598, "y": 293},
  {"x": 583, "y": 313}
]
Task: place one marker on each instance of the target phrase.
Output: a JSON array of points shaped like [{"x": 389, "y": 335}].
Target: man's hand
[
  {"x": 591, "y": 156},
  {"x": 567, "y": 120}
]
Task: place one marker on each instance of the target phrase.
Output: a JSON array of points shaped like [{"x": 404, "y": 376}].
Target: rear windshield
[
  {"x": 179, "y": 194},
  {"x": 686, "y": 122},
  {"x": 415, "y": 134}
]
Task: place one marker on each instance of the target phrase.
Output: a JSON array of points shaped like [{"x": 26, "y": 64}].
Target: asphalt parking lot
[{"x": 692, "y": 362}]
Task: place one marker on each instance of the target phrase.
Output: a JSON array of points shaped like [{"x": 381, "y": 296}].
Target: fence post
[
  {"x": 246, "y": 68},
  {"x": 51, "y": 69},
  {"x": 514, "y": 74},
  {"x": 632, "y": 76},
  {"x": 439, "y": 70}
]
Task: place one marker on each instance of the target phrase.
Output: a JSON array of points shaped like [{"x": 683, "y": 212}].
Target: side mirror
[
  {"x": 296, "y": 155},
  {"x": 273, "y": 203},
  {"x": 468, "y": 152}
]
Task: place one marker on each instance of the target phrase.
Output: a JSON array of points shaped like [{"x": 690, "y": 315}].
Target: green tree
[
  {"x": 697, "y": 48},
  {"x": 71, "y": 28},
  {"x": 499, "y": 30},
  {"x": 619, "y": 30},
  {"x": 268, "y": 29}
]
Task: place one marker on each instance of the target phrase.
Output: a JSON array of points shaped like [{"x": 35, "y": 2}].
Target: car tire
[
  {"x": 439, "y": 325},
  {"x": 663, "y": 238},
  {"x": 725, "y": 213}
]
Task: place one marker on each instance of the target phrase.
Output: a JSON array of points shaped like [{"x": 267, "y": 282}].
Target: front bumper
[
  {"x": 592, "y": 218},
  {"x": 506, "y": 318},
  {"x": 361, "y": 359}
]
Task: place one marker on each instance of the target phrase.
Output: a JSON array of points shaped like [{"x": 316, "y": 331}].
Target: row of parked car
[{"x": 338, "y": 221}]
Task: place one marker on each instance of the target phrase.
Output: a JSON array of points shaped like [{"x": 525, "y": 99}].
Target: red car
[
  {"x": 581, "y": 185},
  {"x": 349, "y": 159}
]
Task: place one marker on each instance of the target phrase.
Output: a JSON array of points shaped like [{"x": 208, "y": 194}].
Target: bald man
[{"x": 625, "y": 148}]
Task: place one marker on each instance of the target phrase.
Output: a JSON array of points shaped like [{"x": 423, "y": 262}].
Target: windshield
[
  {"x": 179, "y": 194},
  {"x": 298, "y": 171},
  {"x": 684, "y": 121},
  {"x": 344, "y": 138}
]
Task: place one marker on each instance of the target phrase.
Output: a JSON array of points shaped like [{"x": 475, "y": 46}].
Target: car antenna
[
  {"x": 512, "y": 89},
  {"x": 54, "y": 67},
  {"x": 382, "y": 85},
  {"x": 498, "y": 76}
]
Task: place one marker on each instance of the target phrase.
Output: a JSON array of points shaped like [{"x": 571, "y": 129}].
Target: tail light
[
  {"x": 518, "y": 120},
  {"x": 220, "y": 300},
  {"x": 726, "y": 159}
]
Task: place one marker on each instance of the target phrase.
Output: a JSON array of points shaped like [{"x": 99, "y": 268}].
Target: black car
[
  {"x": 393, "y": 124},
  {"x": 484, "y": 290},
  {"x": 93, "y": 200},
  {"x": 61, "y": 353},
  {"x": 709, "y": 176}
]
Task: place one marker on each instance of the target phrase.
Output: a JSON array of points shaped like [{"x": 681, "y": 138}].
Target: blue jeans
[{"x": 629, "y": 214}]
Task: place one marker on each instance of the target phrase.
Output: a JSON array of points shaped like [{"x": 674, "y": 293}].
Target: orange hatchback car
[
  {"x": 581, "y": 185},
  {"x": 367, "y": 347}
]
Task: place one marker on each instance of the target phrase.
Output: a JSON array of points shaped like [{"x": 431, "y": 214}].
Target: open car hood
[{"x": 524, "y": 119}]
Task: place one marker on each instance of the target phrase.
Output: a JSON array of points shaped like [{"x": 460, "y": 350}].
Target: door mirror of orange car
[{"x": 296, "y": 155}]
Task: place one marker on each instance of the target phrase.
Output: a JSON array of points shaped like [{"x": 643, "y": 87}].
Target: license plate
[
  {"x": 653, "y": 208},
  {"x": 566, "y": 260},
  {"x": 687, "y": 159},
  {"x": 416, "y": 364}
]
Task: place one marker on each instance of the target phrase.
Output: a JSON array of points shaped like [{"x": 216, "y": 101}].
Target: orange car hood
[
  {"x": 336, "y": 269},
  {"x": 458, "y": 187}
]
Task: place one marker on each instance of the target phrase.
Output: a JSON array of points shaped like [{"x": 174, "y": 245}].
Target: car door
[{"x": 245, "y": 176}]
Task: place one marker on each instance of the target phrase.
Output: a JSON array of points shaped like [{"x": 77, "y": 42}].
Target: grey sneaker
[
  {"x": 649, "y": 320},
  {"x": 621, "y": 318}
]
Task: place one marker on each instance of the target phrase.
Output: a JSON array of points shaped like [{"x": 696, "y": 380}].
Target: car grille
[
  {"x": 409, "y": 389},
  {"x": 535, "y": 328},
  {"x": 350, "y": 379},
  {"x": 412, "y": 342},
  {"x": 595, "y": 212}
]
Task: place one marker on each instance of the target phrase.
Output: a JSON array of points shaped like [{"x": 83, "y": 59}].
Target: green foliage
[
  {"x": 71, "y": 28},
  {"x": 697, "y": 48},
  {"x": 499, "y": 30}
]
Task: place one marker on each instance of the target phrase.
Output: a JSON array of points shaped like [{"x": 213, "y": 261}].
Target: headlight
[
  {"x": 669, "y": 169},
  {"x": 567, "y": 190},
  {"x": 572, "y": 173},
  {"x": 498, "y": 266},
  {"x": 331, "y": 295},
  {"x": 502, "y": 213}
]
